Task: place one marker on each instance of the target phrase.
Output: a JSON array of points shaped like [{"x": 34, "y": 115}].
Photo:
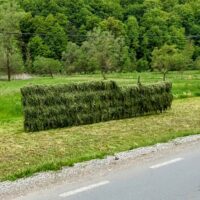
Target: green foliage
[
  {"x": 115, "y": 26},
  {"x": 158, "y": 28},
  {"x": 143, "y": 25},
  {"x": 169, "y": 58},
  {"x": 46, "y": 66},
  {"x": 101, "y": 51},
  {"x": 73, "y": 59},
  {"x": 197, "y": 64},
  {"x": 37, "y": 47},
  {"x": 163, "y": 58},
  {"x": 142, "y": 65},
  {"x": 132, "y": 29},
  {"x": 52, "y": 33},
  {"x": 10, "y": 55},
  {"x": 16, "y": 62},
  {"x": 47, "y": 107}
]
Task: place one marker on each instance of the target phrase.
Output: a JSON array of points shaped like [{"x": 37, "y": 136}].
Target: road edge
[{"x": 38, "y": 181}]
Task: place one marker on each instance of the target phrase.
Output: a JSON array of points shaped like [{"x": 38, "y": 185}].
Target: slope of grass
[{"x": 23, "y": 154}]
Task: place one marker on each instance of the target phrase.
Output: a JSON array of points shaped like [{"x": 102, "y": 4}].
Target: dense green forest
[{"x": 85, "y": 36}]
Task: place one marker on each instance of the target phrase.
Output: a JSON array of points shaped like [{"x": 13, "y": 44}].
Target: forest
[{"x": 87, "y": 36}]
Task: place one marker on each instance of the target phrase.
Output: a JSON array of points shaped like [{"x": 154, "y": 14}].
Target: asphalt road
[{"x": 173, "y": 175}]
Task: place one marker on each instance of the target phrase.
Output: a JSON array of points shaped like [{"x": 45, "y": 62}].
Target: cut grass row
[
  {"x": 184, "y": 85},
  {"x": 23, "y": 154}
]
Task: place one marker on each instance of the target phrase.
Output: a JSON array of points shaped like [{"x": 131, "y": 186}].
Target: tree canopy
[
  {"x": 50, "y": 28},
  {"x": 10, "y": 55}
]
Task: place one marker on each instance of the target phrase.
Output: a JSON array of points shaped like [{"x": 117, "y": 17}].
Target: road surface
[{"x": 171, "y": 175}]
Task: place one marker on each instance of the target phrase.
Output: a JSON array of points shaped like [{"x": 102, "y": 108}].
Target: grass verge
[{"x": 23, "y": 154}]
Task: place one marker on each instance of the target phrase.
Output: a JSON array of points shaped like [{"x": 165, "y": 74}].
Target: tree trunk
[
  {"x": 50, "y": 72},
  {"x": 8, "y": 66},
  {"x": 164, "y": 76},
  {"x": 139, "y": 81},
  {"x": 103, "y": 74}
]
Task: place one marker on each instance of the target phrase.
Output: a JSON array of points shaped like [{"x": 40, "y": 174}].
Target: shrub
[{"x": 47, "y": 107}]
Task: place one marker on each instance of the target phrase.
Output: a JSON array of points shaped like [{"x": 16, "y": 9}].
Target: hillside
[{"x": 50, "y": 28}]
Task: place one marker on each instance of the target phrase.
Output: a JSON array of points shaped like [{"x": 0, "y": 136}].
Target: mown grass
[{"x": 23, "y": 154}]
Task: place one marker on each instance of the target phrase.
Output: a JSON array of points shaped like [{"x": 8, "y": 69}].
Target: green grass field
[{"x": 22, "y": 154}]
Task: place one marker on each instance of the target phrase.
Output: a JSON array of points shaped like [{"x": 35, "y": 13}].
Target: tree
[
  {"x": 45, "y": 66},
  {"x": 10, "y": 16},
  {"x": 40, "y": 7},
  {"x": 159, "y": 27},
  {"x": 169, "y": 58},
  {"x": 106, "y": 8},
  {"x": 134, "y": 8},
  {"x": 132, "y": 30},
  {"x": 37, "y": 47},
  {"x": 123, "y": 60},
  {"x": 115, "y": 26},
  {"x": 197, "y": 64},
  {"x": 143, "y": 24},
  {"x": 103, "y": 50},
  {"x": 79, "y": 17},
  {"x": 15, "y": 62},
  {"x": 71, "y": 58},
  {"x": 150, "y": 4},
  {"x": 163, "y": 58},
  {"x": 168, "y": 5},
  {"x": 186, "y": 16},
  {"x": 52, "y": 33},
  {"x": 142, "y": 65}
]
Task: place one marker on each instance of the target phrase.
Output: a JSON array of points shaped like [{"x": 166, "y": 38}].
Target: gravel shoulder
[{"x": 42, "y": 181}]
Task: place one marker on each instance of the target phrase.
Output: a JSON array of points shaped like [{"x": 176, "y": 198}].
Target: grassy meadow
[{"x": 22, "y": 154}]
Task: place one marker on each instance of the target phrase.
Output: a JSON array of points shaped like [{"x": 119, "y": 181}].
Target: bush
[
  {"x": 142, "y": 65},
  {"x": 196, "y": 65},
  {"x": 47, "y": 107}
]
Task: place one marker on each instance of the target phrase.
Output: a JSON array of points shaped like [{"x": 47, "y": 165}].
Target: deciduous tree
[
  {"x": 46, "y": 66},
  {"x": 10, "y": 16}
]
